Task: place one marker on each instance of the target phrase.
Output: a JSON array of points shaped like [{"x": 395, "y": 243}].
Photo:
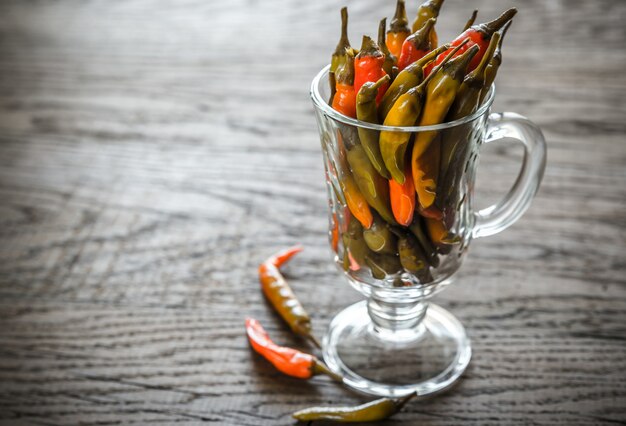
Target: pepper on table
[
  {"x": 427, "y": 10},
  {"x": 377, "y": 410},
  {"x": 405, "y": 112},
  {"x": 367, "y": 111},
  {"x": 289, "y": 361},
  {"x": 408, "y": 78},
  {"x": 440, "y": 94},
  {"x": 416, "y": 45},
  {"x": 339, "y": 54},
  {"x": 368, "y": 66},
  {"x": 398, "y": 29},
  {"x": 344, "y": 99},
  {"x": 282, "y": 297},
  {"x": 479, "y": 35}
]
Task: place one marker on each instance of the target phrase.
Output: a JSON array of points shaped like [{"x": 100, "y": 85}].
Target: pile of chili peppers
[
  {"x": 403, "y": 79},
  {"x": 397, "y": 186}
]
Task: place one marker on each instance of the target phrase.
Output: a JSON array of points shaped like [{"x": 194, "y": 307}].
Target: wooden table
[{"x": 153, "y": 153}]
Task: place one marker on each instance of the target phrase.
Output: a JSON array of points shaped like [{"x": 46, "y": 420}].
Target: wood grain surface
[{"x": 152, "y": 153}]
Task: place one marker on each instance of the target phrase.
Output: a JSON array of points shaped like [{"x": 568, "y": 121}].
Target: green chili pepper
[
  {"x": 427, "y": 10},
  {"x": 379, "y": 237},
  {"x": 355, "y": 245},
  {"x": 408, "y": 78},
  {"x": 494, "y": 64},
  {"x": 374, "y": 187},
  {"x": 379, "y": 409},
  {"x": 382, "y": 265},
  {"x": 417, "y": 229},
  {"x": 412, "y": 257},
  {"x": 339, "y": 55},
  {"x": 366, "y": 111},
  {"x": 390, "y": 60}
]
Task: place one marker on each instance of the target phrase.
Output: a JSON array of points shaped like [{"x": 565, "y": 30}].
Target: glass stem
[{"x": 397, "y": 320}]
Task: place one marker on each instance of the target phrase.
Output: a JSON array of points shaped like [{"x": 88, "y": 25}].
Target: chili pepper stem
[
  {"x": 315, "y": 341},
  {"x": 401, "y": 402},
  {"x": 471, "y": 20},
  {"x": 492, "y": 26},
  {"x": 343, "y": 43},
  {"x": 321, "y": 368}
]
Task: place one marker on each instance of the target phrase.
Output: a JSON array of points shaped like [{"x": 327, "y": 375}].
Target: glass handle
[{"x": 508, "y": 125}]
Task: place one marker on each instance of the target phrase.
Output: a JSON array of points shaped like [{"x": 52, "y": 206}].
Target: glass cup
[{"x": 397, "y": 342}]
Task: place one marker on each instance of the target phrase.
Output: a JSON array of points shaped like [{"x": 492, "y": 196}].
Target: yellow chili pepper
[
  {"x": 429, "y": 9},
  {"x": 494, "y": 64}
]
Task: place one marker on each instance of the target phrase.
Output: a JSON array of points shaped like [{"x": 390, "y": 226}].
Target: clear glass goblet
[{"x": 397, "y": 342}]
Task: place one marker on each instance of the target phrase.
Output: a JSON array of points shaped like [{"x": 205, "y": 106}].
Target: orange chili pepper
[
  {"x": 480, "y": 35},
  {"x": 416, "y": 45},
  {"x": 398, "y": 30},
  {"x": 356, "y": 201},
  {"x": 436, "y": 230},
  {"x": 403, "y": 198},
  {"x": 281, "y": 296},
  {"x": 368, "y": 66},
  {"x": 344, "y": 100},
  {"x": 287, "y": 360}
]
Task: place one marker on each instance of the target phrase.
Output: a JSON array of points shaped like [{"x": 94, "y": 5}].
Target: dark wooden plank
[{"x": 152, "y": 153}]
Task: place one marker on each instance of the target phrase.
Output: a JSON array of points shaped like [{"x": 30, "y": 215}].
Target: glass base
[{"x": 426, "y": 359}]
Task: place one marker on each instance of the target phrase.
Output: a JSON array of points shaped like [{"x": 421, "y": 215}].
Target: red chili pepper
[
  {"x": 287, "y": 360},
  {"x": 479, "y": 34},
  {"x": 416, "y": 45},
  {"x": 368, "y": 66}
]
